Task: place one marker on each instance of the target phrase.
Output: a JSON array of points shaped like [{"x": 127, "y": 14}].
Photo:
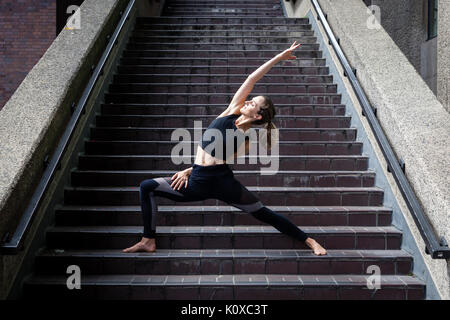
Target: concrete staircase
[{"x": 186, "y": 66}]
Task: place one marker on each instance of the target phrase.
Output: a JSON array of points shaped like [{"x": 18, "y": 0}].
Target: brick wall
[{"x": 27, "y": 29}]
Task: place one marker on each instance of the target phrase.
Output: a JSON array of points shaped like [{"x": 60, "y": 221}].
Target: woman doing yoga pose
[{"x": 211, "y": 178}]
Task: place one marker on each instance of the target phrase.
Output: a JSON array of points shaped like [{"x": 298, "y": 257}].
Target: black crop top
[{"x": 222, "y": 124}]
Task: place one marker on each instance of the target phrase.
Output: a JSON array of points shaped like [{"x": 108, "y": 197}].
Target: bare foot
[
  {"x": 145, "y": 245},
  {"x": 317, "y": 248}
]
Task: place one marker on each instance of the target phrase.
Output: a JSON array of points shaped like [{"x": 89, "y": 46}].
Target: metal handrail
[
  {"x": 16, "y": 242},
  {"x": 433, "y": 247}
]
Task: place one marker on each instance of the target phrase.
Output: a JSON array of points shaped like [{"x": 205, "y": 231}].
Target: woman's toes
[{"x": 134, "y": 248}]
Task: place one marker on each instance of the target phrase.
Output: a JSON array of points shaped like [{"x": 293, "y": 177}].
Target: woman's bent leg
[
  {"x": 148, "y": 190},
  {"x": 158, "y": 187}
]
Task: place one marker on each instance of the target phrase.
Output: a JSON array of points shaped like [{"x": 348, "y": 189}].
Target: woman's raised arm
[
  {"x": 247, "y": 87},
  {"x": 285, "y": 55}
]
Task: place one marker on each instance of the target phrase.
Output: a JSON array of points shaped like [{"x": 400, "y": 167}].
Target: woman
[{"x": 210, "y": 176}]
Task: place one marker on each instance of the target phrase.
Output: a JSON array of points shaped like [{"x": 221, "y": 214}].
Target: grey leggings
[{"x": 210, "y": 182}]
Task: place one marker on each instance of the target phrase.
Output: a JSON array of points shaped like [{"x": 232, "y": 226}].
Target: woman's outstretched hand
[
  {"x": 287, "y": 54},
  {"x": 179, "y": 179}
]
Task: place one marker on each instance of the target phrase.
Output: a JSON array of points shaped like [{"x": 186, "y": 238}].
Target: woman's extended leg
[
  {"x": 148, "y": 190},
  {"x": 249, "y": 203}
]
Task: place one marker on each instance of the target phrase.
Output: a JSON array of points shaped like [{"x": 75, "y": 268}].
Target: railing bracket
[
  {"x": 353, "y": 70},
  {"x": 374, "y": 110},
  {"x": 5, "y": 238},
  {"x": 401, "y": 164},
  {"x": 46, "y": 162},
  {"x": 337, "y": 39}
]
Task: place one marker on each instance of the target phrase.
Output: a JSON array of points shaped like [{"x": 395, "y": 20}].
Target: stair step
[
  {"x": 263, "y": 54},
  {"x": 216, "y": 109},
  {"x": 221, "y": 262},
  {"x": 253, "y": 6},
  {"x": 67, "y": 215},
  {"x": 165, "y": 147},
  {"x": 218, "y": 46},
  {"x": 223, "y": 237},
  {"x": 222, "y": 9},
  {"x": 225, "y": 27},
  {"x": 237, "y": 27},
  {"x": 220, "y": 88},
  {"x": 241, "y": 287},
  {"x": 220, "y": 79},
  {"x": 221, "y": 2},
  {"x": 287, "y": 178},
  {"x": 215, "y": 14},
  {"x": 229, "y": 33},
  {"x": 370, "y": 196},
  {"x": 286, "y": 162},
  {"x": 243, "y": 20},
  {"x": 164, "y": 134},
  {"x": 183, "y": 121},
  {"x": 241, "y": 39},
  {"x": 231, "y": 70},
  {"x": 218, "y": 62}
]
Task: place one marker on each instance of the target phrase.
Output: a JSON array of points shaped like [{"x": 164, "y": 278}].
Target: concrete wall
[
  {"x": 414, "y": 122},
  {"x": 443, "y": 69},
  {"x": 406, "y": 22}
]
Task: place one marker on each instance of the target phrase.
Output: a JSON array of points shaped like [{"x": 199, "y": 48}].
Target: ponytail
[
  {"x": 271, "y": 136},
  {"x": 267, "y": 113}
]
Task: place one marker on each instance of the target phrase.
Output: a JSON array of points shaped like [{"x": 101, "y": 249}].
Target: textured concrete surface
[
  {"x": 27, "y": 121},
  {"x": 443, "y": 74},
  {"x": 414, "y": 121},
  {"x": 406, "y": 22}
]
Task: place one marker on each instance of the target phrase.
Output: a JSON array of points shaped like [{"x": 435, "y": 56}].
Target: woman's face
[{"x": 251, "y": 107}]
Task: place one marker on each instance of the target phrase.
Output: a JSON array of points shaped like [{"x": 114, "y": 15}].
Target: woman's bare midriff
[{"x": 205, "y": 159}]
